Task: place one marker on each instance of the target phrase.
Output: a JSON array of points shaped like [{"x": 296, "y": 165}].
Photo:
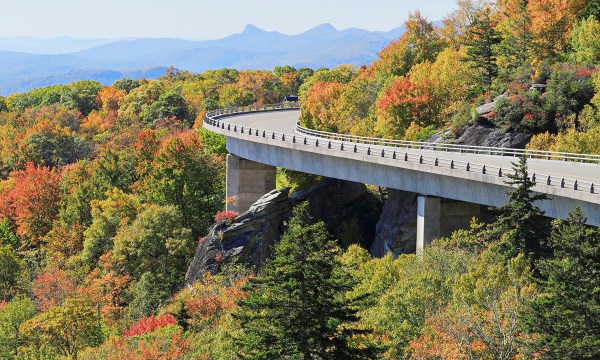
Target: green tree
[
  {"x": 298, "y": 309},
  {"x": 65, "y": 329},
  {"x": 520, "y": 219},
  {"x": 169, "y": 104},
  {"x": 481, "y": 51},
  {"x": 514, "y": 50},
  {"x": 585, "y": 42},
  {"x": 3, "y": 106},
  {"x": 119, "y": 209},
  {"x": 13, "y": 273},
  {"x": 126, "y": 84},
  {"x": 181, "y": 174},
  {"x": 82, "y": 96},
  {"x": 155, "y": 249},
  {"x": 566, "y": 315},
  {"x": 12, "y": 316}
]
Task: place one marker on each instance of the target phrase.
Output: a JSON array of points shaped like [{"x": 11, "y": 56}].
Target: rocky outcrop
[
  {"x": 396, "y": 231},
  {"x": 485, "y": 109},
  {"x": 487, "y": 135},
  {"x": 249, "y": 238}
]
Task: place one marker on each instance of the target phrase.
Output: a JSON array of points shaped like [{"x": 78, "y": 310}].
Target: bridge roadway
[{"x": 278, "y": 143}]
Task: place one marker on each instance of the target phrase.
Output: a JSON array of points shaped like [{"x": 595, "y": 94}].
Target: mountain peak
[
  {"x": 323, "y": 28},
  {"x": 251, "y": 29}
]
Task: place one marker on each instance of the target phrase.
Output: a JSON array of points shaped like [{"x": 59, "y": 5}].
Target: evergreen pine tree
[
  {"x": 514, "y": 49},
  {"x": 567, "y": 313},
  {"x": 481, "y": 48},
  {"x": 521, "y": 221},
  {"x": 297, "y": 309}
]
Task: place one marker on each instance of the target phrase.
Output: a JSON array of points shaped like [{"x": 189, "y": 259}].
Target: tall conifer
[{"x": 298, "y": 308}]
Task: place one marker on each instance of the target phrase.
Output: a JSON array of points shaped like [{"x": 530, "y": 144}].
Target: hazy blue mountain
[
  {"x": 253, "y": 48},
  {"x": 53, "y": 46}
]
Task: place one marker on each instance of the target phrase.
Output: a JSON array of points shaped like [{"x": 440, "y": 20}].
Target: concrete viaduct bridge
[{"x": 260, "y": 138}]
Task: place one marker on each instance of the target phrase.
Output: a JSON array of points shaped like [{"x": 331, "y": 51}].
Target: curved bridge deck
[{"x": 273, "y": 138}]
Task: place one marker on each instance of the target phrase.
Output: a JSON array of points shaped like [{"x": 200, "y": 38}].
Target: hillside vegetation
[
  {"x": 105, "y": 192},
  {"x": 434, "y": 77}
]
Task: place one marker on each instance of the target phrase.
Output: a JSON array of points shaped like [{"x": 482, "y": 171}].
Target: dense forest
[{"x": 105, "y": 191}]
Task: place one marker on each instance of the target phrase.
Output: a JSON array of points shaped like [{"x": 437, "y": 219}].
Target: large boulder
[
  {"x": 249, "y": 238},
  {"x": 396, "y": 231},
  {"x": 482, "y": 134}
]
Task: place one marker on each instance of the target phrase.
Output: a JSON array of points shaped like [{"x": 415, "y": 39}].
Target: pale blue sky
[{"x": 201, "y": 19}]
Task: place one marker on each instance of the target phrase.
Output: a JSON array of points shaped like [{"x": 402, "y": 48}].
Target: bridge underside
[{"x": 368, "y": 171}]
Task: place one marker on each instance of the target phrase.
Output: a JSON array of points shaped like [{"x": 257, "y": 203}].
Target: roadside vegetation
[{"x": 105, "y": 192}]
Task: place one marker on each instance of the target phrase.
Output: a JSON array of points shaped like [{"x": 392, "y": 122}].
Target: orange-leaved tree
[
  {"x": 405, "y": 102},
  {"x": 32, "y": 202},
  {"x": 319, "y": 110}
]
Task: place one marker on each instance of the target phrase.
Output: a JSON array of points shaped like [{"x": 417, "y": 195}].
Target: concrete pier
[
  {"x": 247, "y": 181},
  {"x": 428, "y": 220}
]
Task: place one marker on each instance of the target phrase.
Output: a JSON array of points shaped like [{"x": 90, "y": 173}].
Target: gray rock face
[
  {"x": 487, "y": 135},
  {"x": 489, "y": 107},
  {"x": 396, "y": 231},
  {"x": 250, "y": 237}
]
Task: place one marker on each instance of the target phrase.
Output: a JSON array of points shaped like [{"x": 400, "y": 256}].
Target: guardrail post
[
  {"x": 223, "y": 126},
  {"x": 394, "y": 155},
  {"x": 273, "y": 136},
  {"x": 305, "y": 140},
  {"x": 228, "y": 126},
  {"x": 549, "y": 180},
  {"x": 575, "y": 185},
  {"x": 235, "y": 128},
  {"x": 468, "y": 166},
  {"x": 500, "y": 172},
  {"x": 452, "y": 164},
  {"x": 483, "y": 170},
  {"x": 562, "y": 182},
  {"x": 250, "y": 131},
  {"x": 242, "y": 131},
  {"x": 283, "y": 137},
  {"x": 294, "y": 139},
  {"x": 264, "y": 133},
  {"x": 317, "y": 142}
]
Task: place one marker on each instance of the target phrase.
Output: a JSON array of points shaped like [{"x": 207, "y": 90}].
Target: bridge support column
[
  {"x": 428, "y": 220},
  {"x": 247, "y": 181}
]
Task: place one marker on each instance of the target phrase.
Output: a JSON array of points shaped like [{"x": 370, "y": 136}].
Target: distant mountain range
[{"x": 26, "y": 63}]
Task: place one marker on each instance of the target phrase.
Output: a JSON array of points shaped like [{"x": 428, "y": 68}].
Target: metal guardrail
[
  {"x": 401, "y": 152},
  {"x": 538, "y": 154}
]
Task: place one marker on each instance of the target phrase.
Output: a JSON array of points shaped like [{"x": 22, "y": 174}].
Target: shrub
[
  {"x": 149, "y": 324},
  {"x": 226, "y": 215}
]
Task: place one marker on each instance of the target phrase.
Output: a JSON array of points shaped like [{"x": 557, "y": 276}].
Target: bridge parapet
[{"x": 427, "y": 154}]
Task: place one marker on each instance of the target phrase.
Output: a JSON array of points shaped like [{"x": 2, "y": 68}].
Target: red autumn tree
[
  {"x": 32, "y": 202},
  {"x": 51, "y": 288},
  {"x": 403, "y": 103}
]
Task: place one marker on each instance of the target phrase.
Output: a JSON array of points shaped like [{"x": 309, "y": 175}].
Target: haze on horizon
[{"x": 193, "y": 19}]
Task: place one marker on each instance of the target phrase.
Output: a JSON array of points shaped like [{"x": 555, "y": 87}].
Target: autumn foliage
[
  {"x": 32, "y": 201},
  {"x": 148, "y": 325}
]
